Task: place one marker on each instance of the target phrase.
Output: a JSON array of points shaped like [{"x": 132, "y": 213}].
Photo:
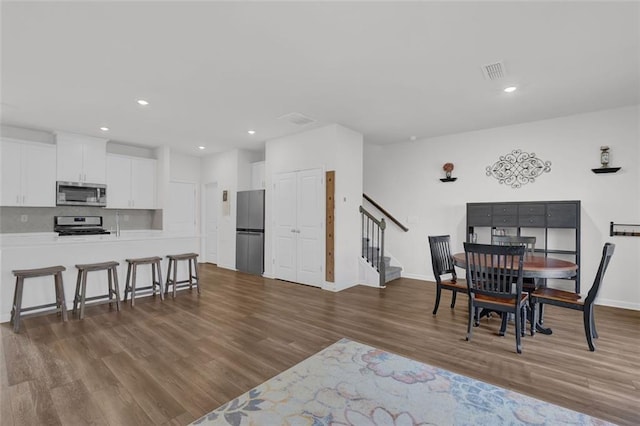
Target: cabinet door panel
[
  {"x": 505, "y": 209},
  {"x": 39, "y": 175},
  {"x": 143, "y": 185},
  {"x": 94, "y": 162},
  {"x": 506, "y": 221},
  {"x": 118, "y": 182},
  {"x": 69, "y": 160},
  {"x": 562, "y": 215},
  {"x": 11, "y": 174},
  {"x": 530, "y": 221},
  {"x": 479, "y": 215},
  {"x": 531, "y": 209}
]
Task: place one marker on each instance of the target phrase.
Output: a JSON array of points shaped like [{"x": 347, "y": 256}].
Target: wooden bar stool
[
  {"x": 192, "y": 259},
  {"x": 131, "y": 277},
  {"x": 17, "y": 309},
  {"x": 81, "y": 285}
]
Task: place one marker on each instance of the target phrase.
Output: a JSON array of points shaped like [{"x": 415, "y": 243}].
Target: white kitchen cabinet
[
  {"x": 131, "y": 182},
  {"x": 28, "y": 174},
  {"x": 81, "y": 158},
  {"x": 257, "y": 175}
]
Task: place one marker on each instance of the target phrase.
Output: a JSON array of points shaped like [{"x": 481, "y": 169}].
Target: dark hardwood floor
[{"x": 171, "y": 362}]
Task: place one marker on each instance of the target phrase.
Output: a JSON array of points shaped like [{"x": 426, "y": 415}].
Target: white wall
[
  {"x": 404, "y": 178},
  {"x": 331, "y": 147},
  {"x": 184, "y": 168},
  {"x": 349, "y": 182}
]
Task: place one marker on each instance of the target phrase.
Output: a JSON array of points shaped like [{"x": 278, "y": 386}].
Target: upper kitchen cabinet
[
  {"x": 131, "y": 182},
  {"x": 81, "y": 158},
  {"x": 28, "y": 174}
]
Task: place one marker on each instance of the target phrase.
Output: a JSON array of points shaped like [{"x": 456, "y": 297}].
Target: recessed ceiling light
[
  {"x": 413, "y": 138},
  {"x": 201, "y": 147},
  {"x": 104, "y": 129},
  {"x": 252, "y": 132},
  {"x": 142, "y": 102},
  {"x": 510, "y": 89}
]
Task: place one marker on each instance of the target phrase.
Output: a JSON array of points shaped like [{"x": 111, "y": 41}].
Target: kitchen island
[{"x": 37, "y": 250}]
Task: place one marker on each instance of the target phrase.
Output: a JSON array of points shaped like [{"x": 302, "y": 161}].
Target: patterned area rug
[{"x": 349, "y": 383}]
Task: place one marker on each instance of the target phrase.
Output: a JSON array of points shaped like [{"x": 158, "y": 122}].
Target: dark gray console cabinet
[{"x": 547, "y": 215}]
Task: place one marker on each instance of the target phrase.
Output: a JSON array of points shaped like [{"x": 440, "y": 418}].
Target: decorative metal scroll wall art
[{"x": 518, "y": 168}]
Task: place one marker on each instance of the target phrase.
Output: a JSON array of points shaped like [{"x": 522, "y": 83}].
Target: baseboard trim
[
  {"x": 618, "y": 304},
  {"x": 417, "y": 277}
]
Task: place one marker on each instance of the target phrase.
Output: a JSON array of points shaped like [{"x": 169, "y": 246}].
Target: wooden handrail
[{"x": 384, "y": 212}]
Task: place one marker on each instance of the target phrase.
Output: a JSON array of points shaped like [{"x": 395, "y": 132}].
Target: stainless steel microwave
[{"x": 81, "y": 194}]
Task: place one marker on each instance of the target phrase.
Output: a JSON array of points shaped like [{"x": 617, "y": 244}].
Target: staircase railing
[
  {"x": 384, "y": 212},
  {"x": 373, "y": 242}
]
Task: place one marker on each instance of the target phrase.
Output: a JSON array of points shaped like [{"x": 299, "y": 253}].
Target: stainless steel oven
[{"x": 81, "y": 194}]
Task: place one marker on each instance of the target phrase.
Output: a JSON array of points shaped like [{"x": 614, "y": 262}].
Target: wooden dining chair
[
  {"x": 494, "y": 281},
  {"x": 529, "y": 242},
  {"x": 571, "y": 300},
  {"x": 442, "y": 263}
]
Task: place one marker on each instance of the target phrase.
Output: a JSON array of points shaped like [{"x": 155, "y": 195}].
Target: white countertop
[{"x": 52, "y": 238}]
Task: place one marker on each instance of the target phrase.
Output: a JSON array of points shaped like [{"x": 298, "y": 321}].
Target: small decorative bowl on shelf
[{"x": 448, "y": 168}]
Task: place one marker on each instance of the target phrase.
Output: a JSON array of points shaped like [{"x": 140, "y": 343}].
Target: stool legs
[
  {"x": 172, "y": 273},
  {"x": 175, "y": 277},
  {"x": 62, "y": 303},
  {"x": 195, "y": 267},
  {"x": 16, "y": 308},
  {"x": 156, "y": 273},
  {"x": 113, "y": 286},
  {"x": 76, "y": 297},
  {"x": 156, "y": 279},
  {"x": 17, "y": 304},
  {"x": 81, "y": 289},
  {"x": 83, "y": 294},
  {"x": 127, "y": 286}
]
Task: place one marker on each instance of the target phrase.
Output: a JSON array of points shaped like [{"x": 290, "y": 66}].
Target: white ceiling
[{"x": 390, "y": 70}]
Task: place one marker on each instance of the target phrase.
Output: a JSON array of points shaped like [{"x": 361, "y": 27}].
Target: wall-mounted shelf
[
  {"x": 449, "y": 179},
  {"x": 624, "y": 230},
  {"x": 606, "y": 170}
]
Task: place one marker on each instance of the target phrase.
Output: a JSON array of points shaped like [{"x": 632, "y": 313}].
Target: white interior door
[
  {"x": 285, "y": 235},
  {"x": 299, "y": 222},
  {"x": 211, "y": 223},
  {"x": 310, "y": 253}
]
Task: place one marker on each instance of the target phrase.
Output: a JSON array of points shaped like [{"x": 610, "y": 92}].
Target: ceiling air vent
[
  {"x": 494, "y": 71},
  {"x": 297, "y": 119}
]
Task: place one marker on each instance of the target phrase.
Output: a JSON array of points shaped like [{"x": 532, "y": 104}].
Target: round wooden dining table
[
  {"x": 534, "y": 266},
  {"x": 537, "y": 267}
]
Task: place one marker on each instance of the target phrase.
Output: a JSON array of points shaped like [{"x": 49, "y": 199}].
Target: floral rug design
[{"x": 349, "y": 383}]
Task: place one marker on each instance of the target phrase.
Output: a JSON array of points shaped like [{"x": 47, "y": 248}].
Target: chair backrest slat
[
  {"x": 515, "y": 240},
  {"x": 494, "y": 270},
  {"x": 441, "y": 258}
]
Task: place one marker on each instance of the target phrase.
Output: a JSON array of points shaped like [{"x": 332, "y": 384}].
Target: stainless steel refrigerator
[{"x": 250, "y": 231}]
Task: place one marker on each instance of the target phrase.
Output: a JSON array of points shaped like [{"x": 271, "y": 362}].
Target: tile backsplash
[{"x": 40, "y": 219}]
